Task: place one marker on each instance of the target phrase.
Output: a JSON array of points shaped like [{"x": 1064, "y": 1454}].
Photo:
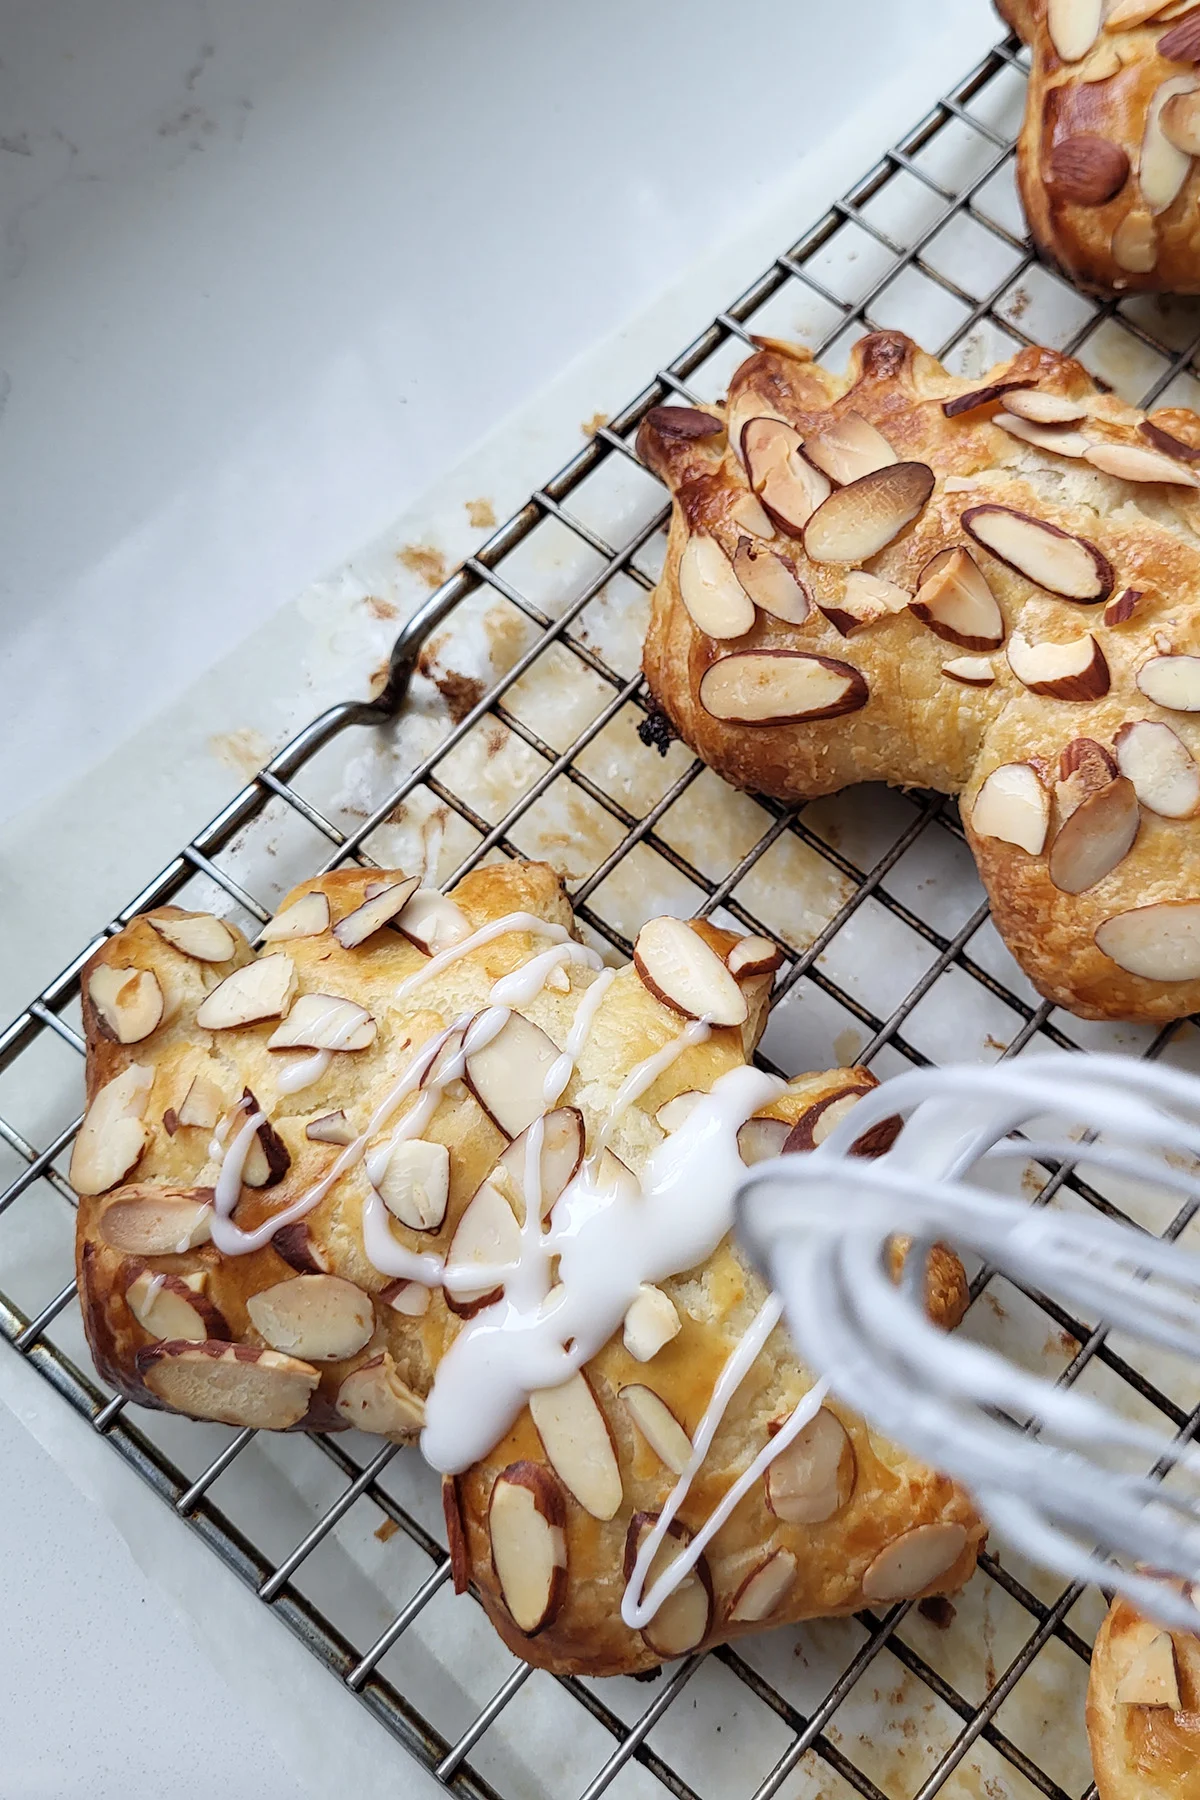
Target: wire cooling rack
[{"x": 890, "y": 960}]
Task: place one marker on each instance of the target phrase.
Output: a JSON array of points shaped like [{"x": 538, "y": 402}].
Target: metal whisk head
[{"x": 1072, "y": 1483}]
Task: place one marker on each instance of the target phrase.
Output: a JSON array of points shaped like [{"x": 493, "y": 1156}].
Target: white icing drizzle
[
  {"x": 517, "y": 921},
  {"x": 561, "y": 1070},
  {"x": 303, "y": 1072},
  {"x": 154, "y": 1288},
  {"x": 645, "y": 1075},
  {"x": 527, "y": 982}
]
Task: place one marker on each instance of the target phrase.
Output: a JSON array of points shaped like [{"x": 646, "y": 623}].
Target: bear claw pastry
[
  {"x": 1143, "y": 1710},
  {"x": 422, "y": 1166},
  {"x": 990, "y": 588}
]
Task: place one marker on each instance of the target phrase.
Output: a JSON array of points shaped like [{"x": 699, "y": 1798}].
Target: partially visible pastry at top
[
  {"x": 986, "y": 586},
  {"x": 1106, "y": 155},
  {"x": 1143, "y": 1710}
]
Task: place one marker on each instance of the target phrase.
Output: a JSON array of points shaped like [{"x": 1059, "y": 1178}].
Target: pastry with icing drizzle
[{"x": 423, "y": 1166}]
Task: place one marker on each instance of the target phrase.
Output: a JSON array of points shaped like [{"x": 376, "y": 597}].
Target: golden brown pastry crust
[
  {"x": 919, "y": 727},
  {"x": 1142, "y": 1752},
  {"x": 1104, "y": 98},
  {"x": 892, "y": 1494}
]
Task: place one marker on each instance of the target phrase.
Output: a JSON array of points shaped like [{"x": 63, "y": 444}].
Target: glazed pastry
[
  {"x": 985, "y": 587},
  {"x": 1105, "y": 159},
  {"x": 422, "y": 1166},
  {"x": 1143, "y": 1710}
]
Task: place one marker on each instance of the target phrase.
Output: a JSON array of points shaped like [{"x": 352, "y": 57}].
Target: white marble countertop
[{"x": 266, "y": 271}]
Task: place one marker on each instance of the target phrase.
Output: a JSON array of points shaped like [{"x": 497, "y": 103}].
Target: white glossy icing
[
  {"x": 517, "y": 921},
  {"x": 525, "y": 984},
  {"x": 645, "y": 1075},
  {"x": 303, "y": 1072},
  {"x": 561, "y": 1070}
]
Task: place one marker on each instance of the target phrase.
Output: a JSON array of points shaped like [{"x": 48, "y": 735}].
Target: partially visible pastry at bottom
[{"x": 1143, "y": 1709}]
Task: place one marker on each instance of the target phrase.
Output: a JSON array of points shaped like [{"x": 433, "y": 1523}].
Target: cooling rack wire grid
[{"x": 890, "y": 960}]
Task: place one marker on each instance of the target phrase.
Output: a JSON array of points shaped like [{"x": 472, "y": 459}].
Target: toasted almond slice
[
  {"x": 815, "y": 1124},
  {"x": 971, "y": 671},
  {"x": 1012, "y": 805},
  {"x": 1162, "y": 167},
  {"x": 1164, "y": 773},
  {"x": 847, "y": 447},
  {"x": 234, "y": 1384},
  {"x": 764, "y": 1589},
  {"x": 112, "y": 1135},
  {"x": 682, "y": 971},
  {"x": 861, "y": 519},
  {"x": 456, "y": 1535},
  {"x": 298, "y": 1247},
  {"x": 1134, "y": 462},
  {"x": 955, "y": 600},
  {"x": 1098, "y": 835},
  {"x": 324, "y": 1022},
  {"x": 128, "y": 1002},
  {"x": 1058, "y": 438},
  {"x": 760, "y": 1139},
  {"x": 716, "y": 601},
  {"x": 651, "y": 1320},
  {"x": 199, "y": 935},
  {"x": 748, "y": 514},
  {"x": 765, "y": 447},
  {"x": 789, "y": 487},
  {"x": 1074, "y": 26},
  {"x": 1076, "y": 670},
  {"x": 375, "y": 913},
  {"x": 1167, "y": 441},
  {"x": 1180, "y": 122},
  {"x": 527, "y": 1516},
  {"x": 686, "y": 422},
  {"x": 771, "y": 582},
  {"x": 330, "y": 1128},
  {"x": 166, "y": 1307},
  {"x": 414, "y": 1183},
  {"x": 306, "y": 917},
  {"x": 321, "y": 1318},
  {"x": 435, "y": 1074},
  {"x": 1044, "y": 408},
  {"x": 814, "y": 1477},
  {"x": 1062, "y": 564},
  {"x": 1124, "y": 14},
  {"x": 1135, "y": 242},
  {"x": 407, "y": 1297},
  {"x": 1104, "y": 62},
  {"x": 147, "y": 1220},
  {"x": 576, "y": 1438},
  {"x": 780, "y": 687},
  {"x": 752, "y": 956},
  {"x": 676, "y": 1112},
  {"x": 916, "y": 1560},
  {"x": 432, "y": 922},
  {"x": 508, "y": 1076},
  {"x": 983, "y": 396},
  {"x": 268, "y": 1159},
  {"x": 1160, "y": 942},
  {"x": 1084, "y": 768},
  {"x": 658, "y": 1425},
  {"x": 486, "y": 1233},
  {"x": 258, "y": 990},
  {"x": 1172, "y": 681},
  {"x": 684, "y": 1619},
  {"x": 562, "y": 1153},
  {"x": 374, "y": 1398},
  {"x": 1122, "y": 606},
  {"x": 203, "y": 1103},
  {"x": 865, "y": 599},
  {"x": 1152, "y": 1678}
]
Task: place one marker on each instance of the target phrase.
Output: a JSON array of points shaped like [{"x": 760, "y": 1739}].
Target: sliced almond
[
  {"x": 1076, "y": 670},
  {"x": 508, "y": 1076},
  {"x": 752, "y": 956},
  {"x": 971, "y": 671},
  {"x": 781, "y": 687},
  {"x": 758, "y": 1140},
  {"x": 1012, "y": 805},
  {"x": 789, "y": 487},
  {"x": 456, "y": 1535},
  {"x": 414, "y": 1183},
  {"x": 865, "y": 599},
  {"x": 1058, "y": 438},
  {"x": 1084, "y": 768},
  {"x": 375, "y": 913},
  {"x": 1044, "y": 408},
  {"x": 1124, "y": 14},
  {"x": 576, "y": 1439},
  {"x": 407, "y": 1297},
  {"x": 863, "y": 518},
  {"x": 748, "y": 514},
  {"x": 112, "y": 1135},
  {"x": 1164, "y": 773},
  {"x": 814, "y": 1477},
  {"x": 815, "y": 1124},
  {"x": 128, "y": 1002},
  {"x": 1168, "y": 441},
  {"x": 955, "y": 600},
  {"x": 330, "y": 1128},
  {"x": 1104, "y": 62},
  {"x": 684, "y": 1619},
  {"x": 1062, "y": 564},
  {"x": 742, "y": 409},
  {"x": 764, "y": 1589},
  {"x": 435, "y": 1074},
  {"x": 432, "y": 922},
  {"x": 527, "y": 1517},
  {"x": 847, "y": 447},
  {"x": 486, "y": 1233},
  {"x": 651, "y": 1321},
  {"x": 324, "y": 1022},
  {"x": 658, "y": 1425},
  {"x": 258, "y": 990},
  {"x": 268, "y": 1159},
  {"x": 321, "y": 1318},
  {"x": 562, "y": 1153},
  {"x": 914, "y": 1562},
  {"x": 686, "y": 422},
  {"x": 1135, "y": 462},
  {"x": 234, "y": 1384},
  {"x": 166, "y": 1307},
  {"x": 1180, "y": 123},
  {"x": 1098, "y": 835},
  {"x": 1162, "y": 166},
  {"x": 1172, "y": 681},
  {"x": 306, "y": 917},
  {"x": 1074, "y": 26},
  {"x": 682, "y": 971},
  {"x": 716, "y": 601},
  {"x": 1122, "y": 606},
  {"x": 771, "y": 582},
  {"x": 1152, "y": 1678},
  {"x": 203, "y": 1103},
  {"x": 374, "y": 1398},
  {"x": 1159, "y": 942},
  {"x": 1135, "y": 242},
  {"x": 298, "y": 1247},
  {"x": 676, "y": 1112},
  {"x": 196, "y": 934},
  {"x": 147, "y": 1220},
  {"x": 983, "y": 396}
]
